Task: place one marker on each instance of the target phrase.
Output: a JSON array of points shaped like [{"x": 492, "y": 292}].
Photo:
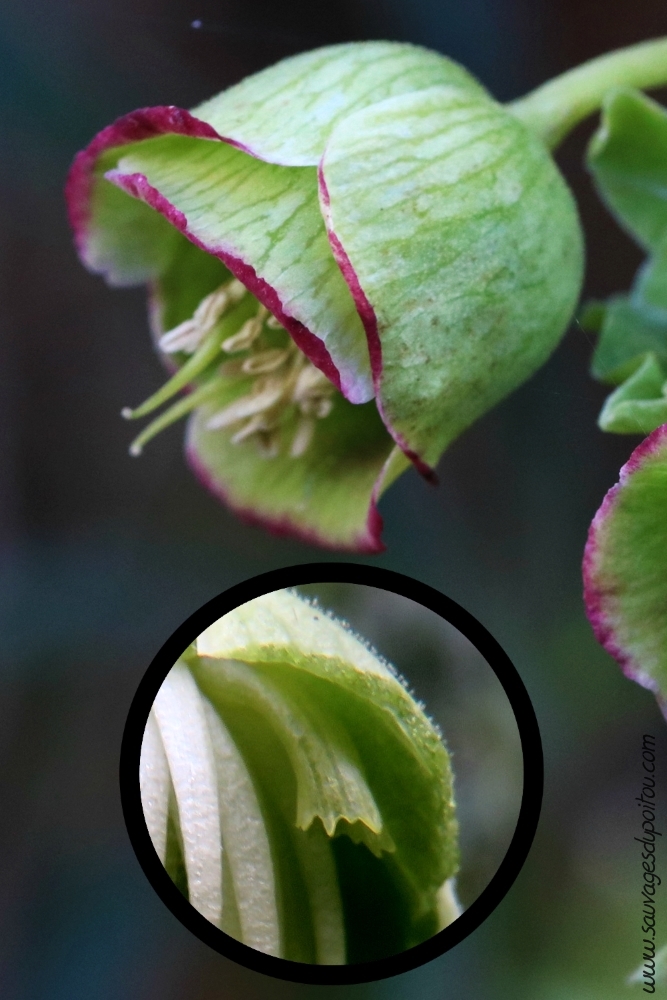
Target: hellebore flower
[
  {"x": 291, "y": 787},
  {"x": 409, "y": 251},
  {"x": 625, "y": 567}
]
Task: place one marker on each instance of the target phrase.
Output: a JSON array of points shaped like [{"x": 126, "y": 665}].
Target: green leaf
[
  {"x": 627, "y": 334},
  {"x": 625, "y": 567},
  {"x": 628, "y": 159},
  {"x": 463, "y": 242},
  {"x": 285, "y": 113},
  {"x": 650, "y": 289},
  {"x": 639, "y": 405}
]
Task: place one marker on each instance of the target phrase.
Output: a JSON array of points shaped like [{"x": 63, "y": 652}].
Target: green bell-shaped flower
[{"x": 381, "y": 250}]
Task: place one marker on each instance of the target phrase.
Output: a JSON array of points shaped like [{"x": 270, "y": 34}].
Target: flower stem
[{"x": 553, "y": 109}]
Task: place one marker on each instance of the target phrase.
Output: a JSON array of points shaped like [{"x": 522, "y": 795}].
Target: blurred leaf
[
  {"x": 639, "y": 405},
  {"x": 628, "y": 159}
]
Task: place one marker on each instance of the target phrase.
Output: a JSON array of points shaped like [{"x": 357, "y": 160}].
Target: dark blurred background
[{"x": 102, "y": 555}]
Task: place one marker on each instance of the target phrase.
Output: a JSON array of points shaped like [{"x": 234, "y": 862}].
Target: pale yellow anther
[
  {"x": 184, "y": 337},
  {"x": 319, "y": 406},
  {"x": 264, "y": 361},
  {"x": 311, "y": 382},
  {"x": 247, "y": 406},
  {"x": 211, "y": 308},
  {"x": 244, "y": 338},
  {"x": 187, "y": 336},
  {"x": 285, "y": 384},
  {"x": 302, "y": 437},
  {"x": 258, "y": 423}
]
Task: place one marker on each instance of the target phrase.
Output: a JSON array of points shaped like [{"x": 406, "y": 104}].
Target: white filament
[
  {"x": 319, "y": 871},
  {"x": 179, "y": 712},
  {"x": 245, "y": 840},
  {"x": 154, "y": 783}
]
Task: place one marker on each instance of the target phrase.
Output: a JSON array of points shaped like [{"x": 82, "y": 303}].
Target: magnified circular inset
[{"x": 331, "y": 774}]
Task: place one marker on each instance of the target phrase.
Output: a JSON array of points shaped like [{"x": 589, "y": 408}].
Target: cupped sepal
[
  {"x": 462, "y": 249},
  {"x": 285, "y": 113},
  {"x": 326, "y": 496},
  {"x": 625, "y": 567},
  {"x": 130, "y": 199}
]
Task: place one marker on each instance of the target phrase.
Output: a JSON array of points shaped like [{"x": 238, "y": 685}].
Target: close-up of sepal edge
[{"x": 329, "y": 971}]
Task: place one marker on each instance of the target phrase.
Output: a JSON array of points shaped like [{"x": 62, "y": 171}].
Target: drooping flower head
[{"x": 352, "y": 255}]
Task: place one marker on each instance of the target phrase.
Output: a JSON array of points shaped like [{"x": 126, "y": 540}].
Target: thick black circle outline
[{"x": 531, "y": 747}]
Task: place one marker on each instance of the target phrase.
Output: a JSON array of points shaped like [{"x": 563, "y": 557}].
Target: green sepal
[
  {"x": 628, "y": 159},
  {"x": 264, "y": 217},
  {"x": 464, "y": 241},
  {"x": 126, "y": 240},
  {"x": 326, "y": 496},
  {"x": 285, "y": 113},
  {"x": 316, "y": 662},
  {"x": 625, "y": 567}
]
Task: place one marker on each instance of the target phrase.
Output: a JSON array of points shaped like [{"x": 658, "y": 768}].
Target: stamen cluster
[{"x": 282, "y": 379}]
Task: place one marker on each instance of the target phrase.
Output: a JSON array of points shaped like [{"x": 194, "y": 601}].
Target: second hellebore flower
[{"x": 352, "y": 255}]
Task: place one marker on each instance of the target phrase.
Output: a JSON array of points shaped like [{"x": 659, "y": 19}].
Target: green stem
[{"x": 557, "y": 106}]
